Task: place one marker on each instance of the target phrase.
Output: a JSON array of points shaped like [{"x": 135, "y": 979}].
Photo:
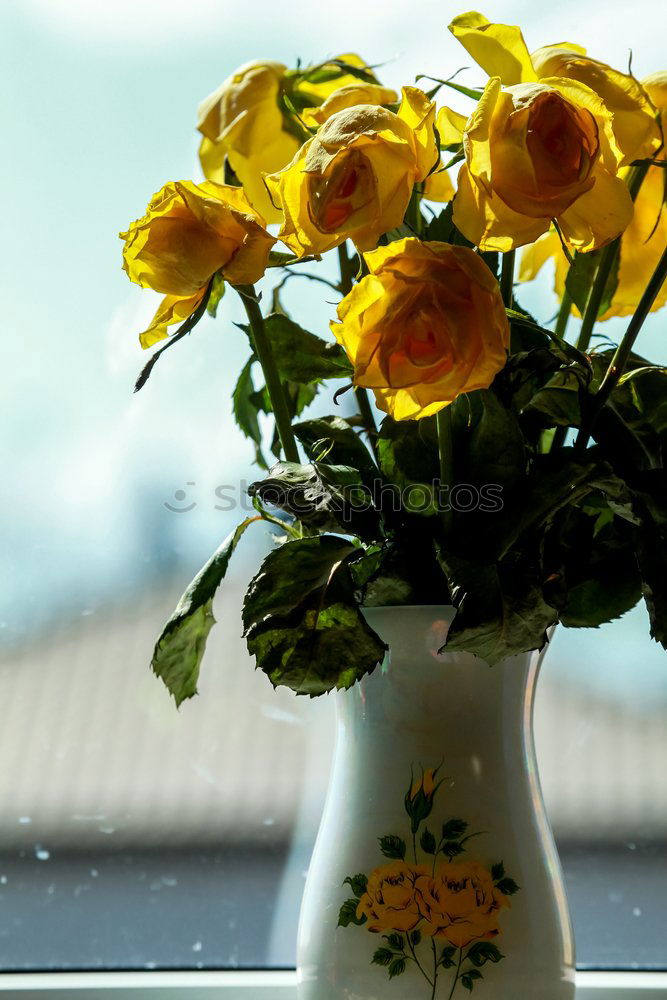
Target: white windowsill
[{"x": 262, "y": 985}]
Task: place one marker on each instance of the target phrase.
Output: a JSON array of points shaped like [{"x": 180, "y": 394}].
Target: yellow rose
[
  {"x": 427, "y": 324},
  {"x": 243, "y": 120},
  {"x": 546, "y": 141},
  {"x": 189, "y": 232},
  {"x": 349, "y": 97},
  {"x": 501, "y": 50},
  {"x": 642, "y": 242},
  {"x": 355, "y": 177},
  {"x": 389, "y": 903},
  {"x": 535, "y": 152},
  {"x": 460, "y": 903}
]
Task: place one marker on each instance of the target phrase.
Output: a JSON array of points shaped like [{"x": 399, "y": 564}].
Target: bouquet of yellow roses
[{"x": 514, "y": 474}]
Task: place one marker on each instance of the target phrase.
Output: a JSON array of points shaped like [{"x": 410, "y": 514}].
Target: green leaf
[
  {"x": 446, "y": 959},
  {"x": 383, "y": 956},
  {"x": 581, "y": 276},
  {"x": 555, "y": 481},
  {"x": 428, "y": 842},
  {"x": 333, "y": 69},
  {"x": 453, "y": 829},
  {"x": 217, "y": 291},
  {"x": 482, "y": 952},
  {"x": 630, "y": 428},
  {"x": 393, "y": 847},
  {"x": 348, "y": 914},
  {"x": 397, "y": 968},
  {"x": 559, "y": 401},
  {"x": 357, "y": 884},
  {"x": 408, "y": 456},
  {"x": 441, "y": 227},
  {"x": 498, "y": 871},
  {"x": 334, "y": 441},
  {"x": 488, "y": 443},
  {"x": 453, "y": 848},
  {"x": 416, "y": 937},
  {"x": 507, "y": 886},
  {"x": 325, "y": 497},
  {"x": 302, "y": 620},
  {"x": 468, "y": 979},
  {"x": 301, "y": 356},
  {"x": 501, "y": 610},
  {"x": 245, "y": 410},
  {"x": 650, "y": 490},
  {"x": 613, "y": 588},
  {"x": 179, "y": 650}
]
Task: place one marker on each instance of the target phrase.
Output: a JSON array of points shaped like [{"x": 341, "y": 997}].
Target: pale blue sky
[{"x": 99, "y": 103}]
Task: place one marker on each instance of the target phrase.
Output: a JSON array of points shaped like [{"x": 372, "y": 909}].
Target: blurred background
[{"x": 133, "y": 835}]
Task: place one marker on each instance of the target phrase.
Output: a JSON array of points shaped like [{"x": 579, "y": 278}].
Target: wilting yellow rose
[
  {"x": 189, "y": 232},
  {"x": 427, "y": 324},
  {"x": 459, "y": 903},
  {"x": 243, "y": 120},
  {"x": 642, "y": 243},
  {"x": 348, "y": 97},
  {"x": 389, "y": 903},
  {"x": 535, "y": 152},
  {"x": 546, "y": 141},
  {"x": 500, "y": 49},
  {"x": 355, "y": 177}
]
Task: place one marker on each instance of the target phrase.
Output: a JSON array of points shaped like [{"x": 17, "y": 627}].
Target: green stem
[
  {"x": 435, "y": 968},
  {"x": 507, "y": 278},
  {"x": 266, "y": 359},
  {"x": 558, "y": 440},
  {"x": 564, "y": 314},
  {"x": 361, "y": 395},
  {"x": 413, "y": 216},
  {"x": 606, "y": 264},
  {"x": 418, "y": 963},
  {"x": 622, "y": 354},
  {"x": 446, "y": 452},
  {"x": 458, "y": 973},
  {"x": 346, "y": 269}
]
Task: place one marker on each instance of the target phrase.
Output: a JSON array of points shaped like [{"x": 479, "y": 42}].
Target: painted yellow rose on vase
[
  {"x": 189, "y": 232},
  {"x": 425, "y": 325},
  {"x": 353, "y": 180},
  {"x": 540, "y": 147},
  {"x": 460, "y": 903},
  {"x": 437, "y": 916},
  {"x": 390, "y": 902},
  {"x": 641, "y": 245},
  {"x": 425, "y": 783},
  {"x": 243, "y": 120}
]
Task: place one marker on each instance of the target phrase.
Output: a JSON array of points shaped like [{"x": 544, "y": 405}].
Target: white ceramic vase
[{"x": 435, "y": 753}]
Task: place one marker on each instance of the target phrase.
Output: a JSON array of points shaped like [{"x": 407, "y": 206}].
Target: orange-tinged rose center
[
  {"x": 562, "y": 141},
  {"x": 345, "y": 189}
]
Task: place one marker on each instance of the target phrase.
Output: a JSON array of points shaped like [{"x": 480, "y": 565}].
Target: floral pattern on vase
[{"x": 433, "y": 905}]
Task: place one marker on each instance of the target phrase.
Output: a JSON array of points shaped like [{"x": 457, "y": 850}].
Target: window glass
[{"x": 133, "y": 835}]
